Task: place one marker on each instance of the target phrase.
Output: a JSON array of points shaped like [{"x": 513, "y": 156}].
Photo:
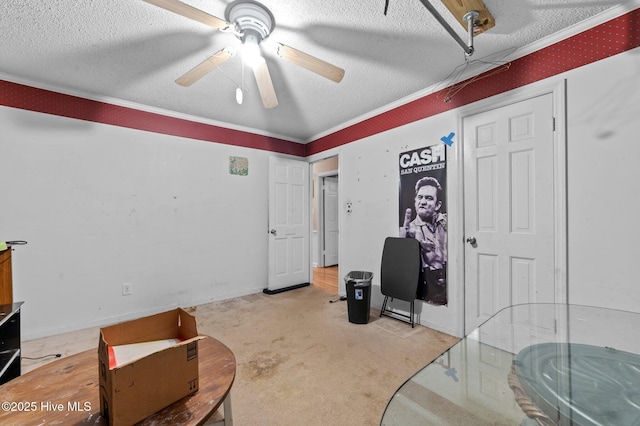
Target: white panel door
[
  {"x": 288, "y": 223},
  {"x": 331, "y": 228},
  {"x": 509, "y": 208}
]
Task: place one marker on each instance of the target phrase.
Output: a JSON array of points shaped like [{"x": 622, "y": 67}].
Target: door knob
[
  {"x": 471, "y": 240},
  {"x": 273, "y": 232}
]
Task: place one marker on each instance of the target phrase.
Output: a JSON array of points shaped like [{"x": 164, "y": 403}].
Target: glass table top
[{"x": 531, "y": 364}]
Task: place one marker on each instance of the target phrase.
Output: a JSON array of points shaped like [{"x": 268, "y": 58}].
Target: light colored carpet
[{"x": 299, "y": 359}]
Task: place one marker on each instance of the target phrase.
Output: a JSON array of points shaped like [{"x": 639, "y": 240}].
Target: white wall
[
  {"x": 603, "y": 175},
  {"x": 603, "y": 153},
  {"x": 101, "y": 205},
  {"x": 369, "y": 178}
]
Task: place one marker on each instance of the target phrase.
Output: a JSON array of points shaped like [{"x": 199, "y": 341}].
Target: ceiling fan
[{"x": 251, "y": 22}]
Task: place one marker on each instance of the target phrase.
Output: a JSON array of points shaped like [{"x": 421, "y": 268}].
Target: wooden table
[{"x": 67, "y": 392}]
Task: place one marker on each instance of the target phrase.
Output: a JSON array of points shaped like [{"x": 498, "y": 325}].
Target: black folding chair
[{"x": 400, "y": 275}]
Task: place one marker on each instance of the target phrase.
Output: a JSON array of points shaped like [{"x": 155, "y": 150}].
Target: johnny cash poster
[{"x": 423, "y": 215}]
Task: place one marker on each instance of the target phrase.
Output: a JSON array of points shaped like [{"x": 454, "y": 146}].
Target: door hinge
[{"x": 553, "y": 124}]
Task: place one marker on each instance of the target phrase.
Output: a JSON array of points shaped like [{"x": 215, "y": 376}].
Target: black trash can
[{"x": 358, "y": 284}]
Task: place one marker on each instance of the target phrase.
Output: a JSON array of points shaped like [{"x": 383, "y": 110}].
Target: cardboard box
[{"x": 134, "y": 390}]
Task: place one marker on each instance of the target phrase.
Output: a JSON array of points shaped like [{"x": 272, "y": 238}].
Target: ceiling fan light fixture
[{"x": 251, "y": 50}]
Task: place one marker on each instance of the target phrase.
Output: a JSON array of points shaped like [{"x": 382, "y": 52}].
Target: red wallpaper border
[{"x": 33, "y": 99}]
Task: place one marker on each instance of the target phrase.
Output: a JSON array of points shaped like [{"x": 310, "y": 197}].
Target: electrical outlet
[{"x": 127, "y": 289}]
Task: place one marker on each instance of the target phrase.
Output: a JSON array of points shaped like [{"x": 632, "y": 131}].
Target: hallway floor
[{"x": 327, "y": 279}]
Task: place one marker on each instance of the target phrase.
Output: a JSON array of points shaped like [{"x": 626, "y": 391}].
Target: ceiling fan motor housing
[{"x": 251, "y": 19}]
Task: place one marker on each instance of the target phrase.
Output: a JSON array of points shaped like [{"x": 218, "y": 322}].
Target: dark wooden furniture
[
  {"x": 6, "y": 283},
  {"x": 66, "y": 391},
  {"x": 9, "y": 341}
]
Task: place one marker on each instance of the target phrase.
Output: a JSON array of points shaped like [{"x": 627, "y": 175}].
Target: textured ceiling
[{"x": 133, "y": 51}]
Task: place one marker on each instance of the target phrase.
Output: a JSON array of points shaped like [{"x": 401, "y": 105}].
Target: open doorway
[{"x": 325, "y": 225}]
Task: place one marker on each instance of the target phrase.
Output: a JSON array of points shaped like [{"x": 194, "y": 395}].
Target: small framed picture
[{"x": 239, "y": 166}]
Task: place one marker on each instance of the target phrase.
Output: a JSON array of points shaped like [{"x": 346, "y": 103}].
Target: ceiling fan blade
[
  {"x": 265, "y": 85},
  {"x": 205, "y": 67},
  {"x": 309, "y": 62},
  {"x": 190, "y": 12}
]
